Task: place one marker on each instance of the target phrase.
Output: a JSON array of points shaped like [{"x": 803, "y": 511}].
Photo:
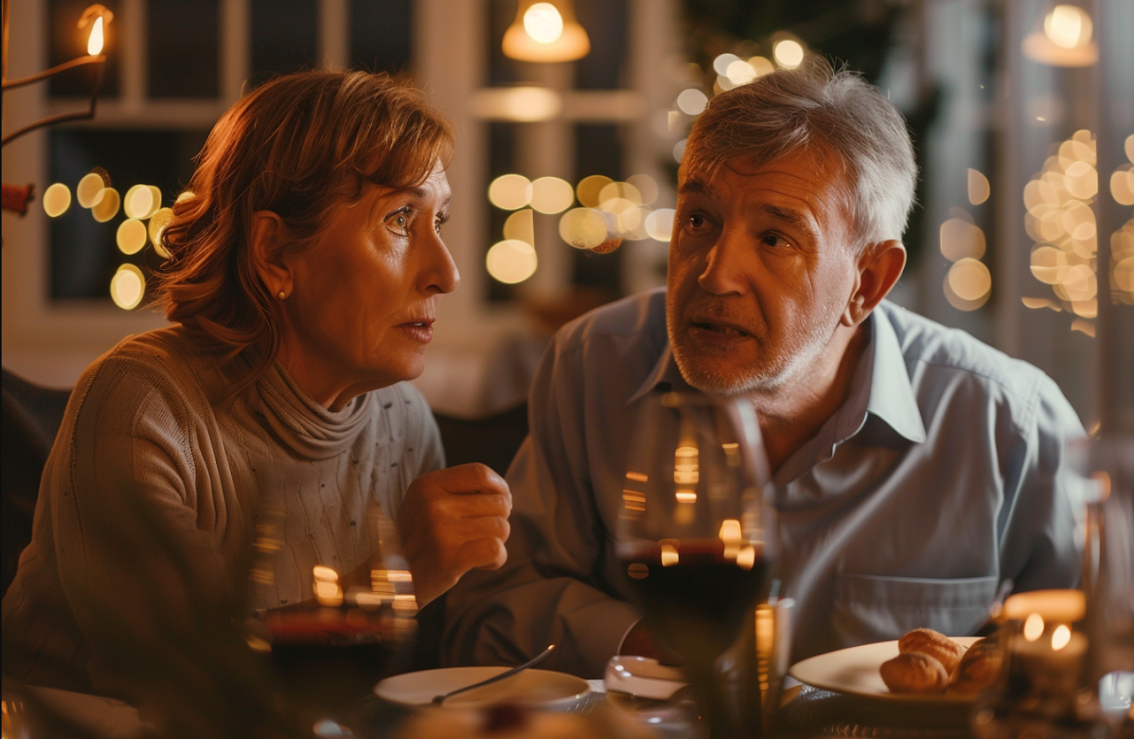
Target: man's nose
[{"x": 725, "y": 265}]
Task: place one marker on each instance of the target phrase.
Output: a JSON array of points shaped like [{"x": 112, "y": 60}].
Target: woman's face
[{"x": 364, "y": 296}]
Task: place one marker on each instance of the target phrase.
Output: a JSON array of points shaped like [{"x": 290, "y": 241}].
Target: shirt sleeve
[
  {"x": 549, "y": 591},
  {"x": 135, "y": 568},
  {"x": 1041, "y": 546}
]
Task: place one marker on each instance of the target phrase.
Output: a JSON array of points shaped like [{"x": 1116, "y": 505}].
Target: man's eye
[
  {"x": 697, "y": 223},
  {"x": 775, "y": 241}
]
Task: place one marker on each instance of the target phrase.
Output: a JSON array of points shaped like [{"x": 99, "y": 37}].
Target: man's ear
[
  {"x": 268, "y": 232},
  {"x": 879, "y": 267}
]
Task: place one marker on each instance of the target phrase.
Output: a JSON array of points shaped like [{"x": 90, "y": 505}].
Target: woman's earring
[{"x": 282, "y": 295}]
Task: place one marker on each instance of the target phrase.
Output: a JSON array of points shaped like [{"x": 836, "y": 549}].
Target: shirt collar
[{"x": 883, "y": 366}]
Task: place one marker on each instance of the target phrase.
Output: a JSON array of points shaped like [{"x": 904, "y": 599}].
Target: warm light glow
[
  {"x": 90, "y": 190},
  {"x": 95, "y": 40},
  {"x": 788, "y": 53},
  {"x": 1122, "y": 185},
  {"x": 107, "y": 205},
  {"x": 525, "y": 104},
  {"x": 722, "y": 62},
  {"x": 1128, "y": 145},
  {"x": 328, "y": 594},
  {"x": 979, "y": 189},
  {"x": 543, "y": 23},
  {"x": 141, "y": 201},
  {"x": 646, "y": 187},
  {"x": 685, "y": 496},
  {"x": 1068, "y": 26},
  {"x": 679, "y": 150},
  {"x": 685, "y": 464},
  {"x": 669, "y": 555},
  {"x": 520, "y": 226},
  {"x": 324, "y": 574},
  {"x": 1080, "y": 283},
  {"x": 158, "y": 222},
  {"x": 510, "y": 192},
  {"x": 511, "y": 261},
  {"x": 1081, "y": 180},
  {"x": 1060, "y": 637},
  {"x": 659, "y": 224},
  {"x": 185, "y": 196},
  {"x": 56, "y": 200},
  {"x": 761, "y": 65},
  {"x": 740, "y": 72},
  {"x": 590, "y": 188},
  {"x": 131, "y": 236},
  {"x": 583, "y": 228},
  {"x": 637, "y": 476},
  {"x": 746, "y": 557},
  {"x": 970, "y": 279},
  {"x": 1049, "y": 265},
  {"x": 619, "y": 191},
  {"x": 692, "y": 101},
  {"x": 1033, "y": 627},
  {"x": 552, "y": 195},
  {"x": 127, "y": 287},
  {"x": 961, "y": 239}
]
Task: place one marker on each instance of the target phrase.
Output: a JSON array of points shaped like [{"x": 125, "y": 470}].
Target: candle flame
[
  {"x": 95, "y": 41},
  {"x": 1060, "y": 638}
]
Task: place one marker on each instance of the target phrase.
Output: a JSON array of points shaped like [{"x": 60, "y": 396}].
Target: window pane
[
  {"x": 84, "y": 254},
  {"x": 182, "y": 43},
  {"x": 606, "y": 25},
  {"x": 598, "y": 150},
  {"x": 68, "y": 42},
  {"x": 284, "y": 37},
  {"x": 381, "y": 35}
]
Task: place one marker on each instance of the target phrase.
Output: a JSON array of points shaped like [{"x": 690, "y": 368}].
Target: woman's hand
[{"x": 451, "y": 521}]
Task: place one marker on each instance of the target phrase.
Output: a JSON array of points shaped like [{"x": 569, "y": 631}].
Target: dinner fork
[{"x": 439, "y": 699}]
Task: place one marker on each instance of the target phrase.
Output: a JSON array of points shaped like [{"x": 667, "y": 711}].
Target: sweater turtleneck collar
[{"x": 303, "y": 425}]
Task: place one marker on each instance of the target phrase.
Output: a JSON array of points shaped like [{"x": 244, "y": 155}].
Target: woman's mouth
[{"x": 421, "y": 331}]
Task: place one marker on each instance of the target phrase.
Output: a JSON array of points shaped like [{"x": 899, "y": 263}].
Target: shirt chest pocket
[{"x": 870, "y": 608}]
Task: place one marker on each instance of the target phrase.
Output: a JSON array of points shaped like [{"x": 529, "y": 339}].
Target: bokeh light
[
  {"x": 659, "y": 224},
  {"x": 788, "y": 53},
  {"x": 679, "y": 150},
  {"x": 56, "y": 200},
  {"x": 647, "y": 188},
  {"x": 141, "y": 201},
  {"x": 90, "y": 189},
  {"x": 583, "y": 228},
  {"x": 107, "y": 205},
  {"x": 1122, "y": 185},
  {"x": 185, "y": 196},
  {"x": 692, "y": 101},
  {"x": 158, "y": 222},
  {"x": 740, "y": 72},
  {"x": 127, "y": 287},
  {"x": 520, "y": 226},
  {"x": 552, "y": 195},
  {"x": 510, "y": 192},
  {"x": 969, "y": 279},
  {"x": 722, "y": 62},
  {"x": 589, "y": 189},
  {"x": 620, "y": 191},
  {"x": 761, "y": 65},
  {"x": 1129, "y": 147},
  {"x": 1049, "y": 265},
  {"x": 511, "y": 262},
  {"x": 979, "y": 189},
  {"x": 1068, "y": 26},
  {"x": 131, "y": 236},
  {"x": 961, "y": 239}
]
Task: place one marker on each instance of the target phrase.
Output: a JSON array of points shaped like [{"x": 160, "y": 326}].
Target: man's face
[{"x": 761, "y": 266}]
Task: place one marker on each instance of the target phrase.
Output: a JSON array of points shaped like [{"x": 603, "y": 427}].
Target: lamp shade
[{"x": 546, "y": 31}]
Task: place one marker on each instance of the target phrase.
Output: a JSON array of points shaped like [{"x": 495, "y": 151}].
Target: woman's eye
[{"x": 399, "y": 223}]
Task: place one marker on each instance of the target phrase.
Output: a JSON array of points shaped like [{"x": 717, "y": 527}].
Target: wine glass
[
  {"x": 696, "y": 536},
  {"x": 329, "y": 635}
]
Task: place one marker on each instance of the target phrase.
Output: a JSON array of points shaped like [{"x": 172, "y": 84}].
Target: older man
[{"x": 915, "y": 469}]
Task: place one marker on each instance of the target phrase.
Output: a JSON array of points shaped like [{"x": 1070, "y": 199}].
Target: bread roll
[
  {"x": 977, "y": 669},
  {"x": 914, "y": 672},
  {"x": 936, "y": 645}
]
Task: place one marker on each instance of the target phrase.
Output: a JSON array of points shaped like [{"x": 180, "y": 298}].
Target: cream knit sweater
[{"x": 151, "y": 495}]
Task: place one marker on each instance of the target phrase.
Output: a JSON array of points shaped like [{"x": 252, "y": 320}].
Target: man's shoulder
[
  {"x": 933, "y": 352},
  {"x": 637, "y": 318}
]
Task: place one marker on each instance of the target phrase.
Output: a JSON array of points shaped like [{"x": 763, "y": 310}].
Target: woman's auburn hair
[{"x": 299, "y": 146}]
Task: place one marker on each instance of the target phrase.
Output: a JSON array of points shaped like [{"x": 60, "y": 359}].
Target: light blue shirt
[{"x": 943, "y": 474}]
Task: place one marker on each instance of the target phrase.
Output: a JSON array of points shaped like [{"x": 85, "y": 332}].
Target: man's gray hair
[{"x": 815, "y": 105}]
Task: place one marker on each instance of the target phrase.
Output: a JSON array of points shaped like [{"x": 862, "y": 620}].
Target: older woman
[{"x": 307, "y": 266}]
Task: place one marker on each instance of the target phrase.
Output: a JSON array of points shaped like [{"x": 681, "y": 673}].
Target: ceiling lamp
[
  {"x": 546, "y": 32},
  {"x": 1065, "y": 40}
]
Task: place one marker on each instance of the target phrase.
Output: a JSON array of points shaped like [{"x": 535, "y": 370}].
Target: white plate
[
  {"x": 855, "y": 671},
  {"x": 554, "y": 691}
]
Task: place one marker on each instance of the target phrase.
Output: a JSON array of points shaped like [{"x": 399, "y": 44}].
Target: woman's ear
[
  {"x": 268, "y": 231},
  {"x": 879, "y": 267}
]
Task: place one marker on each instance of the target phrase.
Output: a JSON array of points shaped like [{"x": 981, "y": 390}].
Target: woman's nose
[{"x": 442, "y": 275}]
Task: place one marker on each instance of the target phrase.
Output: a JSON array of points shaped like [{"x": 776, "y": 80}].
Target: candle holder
[{"x": 1041, "y": 690}]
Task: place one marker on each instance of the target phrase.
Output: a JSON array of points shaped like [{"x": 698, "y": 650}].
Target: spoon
[{"x": 439, "y": 699}]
